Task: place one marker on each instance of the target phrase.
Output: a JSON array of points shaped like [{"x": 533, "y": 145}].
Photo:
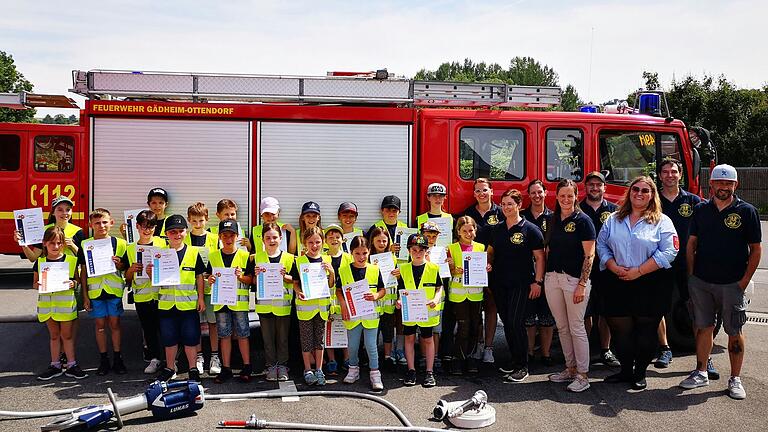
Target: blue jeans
[{"x": 370, "y": 336}]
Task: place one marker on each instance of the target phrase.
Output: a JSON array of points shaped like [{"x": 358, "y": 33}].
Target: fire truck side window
[
  {"x": 565, "y": 150},
  {"x": 54, "y": 153},
  {"x": 10, "y": 152},
  {"x": 498, "y": 154},
  {"x": 627, "y": 154}
]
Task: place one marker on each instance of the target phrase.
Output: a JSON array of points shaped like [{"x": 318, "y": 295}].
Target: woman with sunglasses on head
[{"x": 637, "y": 244}]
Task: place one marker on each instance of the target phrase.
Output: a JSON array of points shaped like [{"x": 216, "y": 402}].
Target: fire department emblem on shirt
[
  {"x": 570, "y": 227},
  {"x": 544, "y": 225},
  {"x": 517, "y": 238},
  {"x": 685, "y": 210},
  {"x": 604, "y": 216},
  {"x": 492, "y": 220},
  {"x": 733, "y": 221}
]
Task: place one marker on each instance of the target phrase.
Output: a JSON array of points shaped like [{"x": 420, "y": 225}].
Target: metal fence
[{"x": 753, "y": 186}]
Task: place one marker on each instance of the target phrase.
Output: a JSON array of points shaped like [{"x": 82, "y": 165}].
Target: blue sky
[{"x": 675, "y": 38}]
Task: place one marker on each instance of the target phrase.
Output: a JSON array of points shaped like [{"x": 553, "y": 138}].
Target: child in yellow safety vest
[
  {"x": 144, "y": 294},
  {"x": 232, "y": 318},
  {"x": 312, "y": 313},
  {"x": 339, "y": 258},
  {"x": 431, "y": 231},
  {"x": 466, "y": 302},
  {"x": 274, "y": 314},
  {"x": 390, "y": 212},
  {"x": 103, "y": 294},
  {"x": 60, "y": 216},
  {"x": 270, "y": 211},
  {"x": 309, "y": 217},
  {"x": 57, "y": 306},
  {"x": 420, "y": 274},
  {"x": 347, "y": 215},
  {"x": 365, "y": 326},
  {"x": 380, "y": 242}
]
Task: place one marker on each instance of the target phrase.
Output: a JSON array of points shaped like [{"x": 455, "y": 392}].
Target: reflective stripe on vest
[
  {"x": 240, "y": 260},
  {"x": 370, "y": 321},
  {"x": 431, "y": 272},
  {"x": 112, "y": 283},
  {"x": 183, "y": 295},
  {"x": 277, "y": 307},
  {"x": 307, "y": 309},
  {"x": 143, "y": 291},
  {"x": 60, "y": 305},
  {"x": 69, "y": 232},
  {"x": 457, "y": 292}
]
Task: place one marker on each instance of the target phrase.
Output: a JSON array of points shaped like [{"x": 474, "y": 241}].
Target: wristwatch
[{"x": 539, "y": 283}]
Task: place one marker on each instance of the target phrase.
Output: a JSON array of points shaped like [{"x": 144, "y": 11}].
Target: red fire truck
[{"x": 353, "y": 137}]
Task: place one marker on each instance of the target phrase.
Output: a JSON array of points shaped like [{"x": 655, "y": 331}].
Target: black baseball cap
[
  {"x": 162, "y": 193},
  {"x": 175, "y": 222},
  {"x": 390, "y": 201},
  {"x": 227, "y": 225},
  {"x": 595, "y": 174},
  {"x": 310, "y": 207},
  {"x": 418, "y": 240}
]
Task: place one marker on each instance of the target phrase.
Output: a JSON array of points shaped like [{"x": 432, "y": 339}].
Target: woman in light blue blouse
[{"x": 637, "y": 244}]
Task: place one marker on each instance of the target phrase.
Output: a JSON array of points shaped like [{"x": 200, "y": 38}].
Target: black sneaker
[
  {"x": 103, "y": 367},
  {"x": 608, "y": 359},
  {"x": 50, "y": 373},
  {"x": 118, "y": 366},
  {"x": 547, "y": 361},
  {"x": 429, "y": 380},
  {"x": 223, "y": 376},
  {"x": 457, "y": 366},
  {"x": 75, "y": 372},
  {"x": 472, "y": 366},
  {"x": 245, "y": 373},
  {"x": 518, "y": 375},
  {"x": 410, "y": 378},
  {"x": 194, "y": 375},
  {"x": 63, "y": 358},
  {"x": 166, "y": 375},
  {"x": 507, "y": 368}
]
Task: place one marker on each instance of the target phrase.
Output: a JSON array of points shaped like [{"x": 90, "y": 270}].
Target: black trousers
[
  {"x": 150, "y": 326},
  {"x": 635, "y": 341},
  {"x": 511, "y": 298}
]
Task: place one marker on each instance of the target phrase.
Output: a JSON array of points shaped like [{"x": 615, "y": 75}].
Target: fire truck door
[
  {"x": 13, "y": 184},
  {"x": 52, "y": 170}
]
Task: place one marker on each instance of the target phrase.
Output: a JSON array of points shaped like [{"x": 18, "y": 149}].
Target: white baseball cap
[
  {"x": 724, "y": 172},
  {"x": 436, "y": 188},
  {"x": 269, "y": 205}
]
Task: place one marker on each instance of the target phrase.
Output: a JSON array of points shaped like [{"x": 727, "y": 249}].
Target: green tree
[
  {"x": 72, "y": 119},
  {"x": 47, "y": 119},
  {"x": 60, "y": 119},
  {"x": 570, "y": 100},
  {"x": 527, "y": 71},
  {"x": 12, "y": 81}
]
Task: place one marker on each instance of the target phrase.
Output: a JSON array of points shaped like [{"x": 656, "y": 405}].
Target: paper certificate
[
  {"x": 446, "y": 228},
  {"x": 314, "y": 281},
  {"x": 357, "y": 305},
  {"x": 143, "y": 257},
  {"x": 414, "y": 305},
  {"x": 224, "y": 290},
  {"x": 347, "y": 245},
  {"x": 284, "y": 240},
  {"x": 98, "y": 257},
  {"x": 54, "y": 276},
  {"x": 203, "y": 253},
  {"x": 386, "y": 265},
  {"x": 335, "y": 333},
  {"x": 165, "y": 267},
  {"x": 401, "y": 238},
  {"x": 475, "y": 273},
  {"x": 131, "y": 228},
  {"x": 437, "y": 255},
  {"x": 269, "y": 281},
  {"x": 29, "y": 223}
]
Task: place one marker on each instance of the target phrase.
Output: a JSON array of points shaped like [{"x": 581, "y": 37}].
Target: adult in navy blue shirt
[
  {"x": 723, "y": 253},
  {"x": 516, "y": 253},
  {"x": 598, "y": 209},
  {"x": 678, "y": 205}
]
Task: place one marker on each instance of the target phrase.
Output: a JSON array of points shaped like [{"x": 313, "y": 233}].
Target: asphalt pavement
[{"x": 533, "y": 405}]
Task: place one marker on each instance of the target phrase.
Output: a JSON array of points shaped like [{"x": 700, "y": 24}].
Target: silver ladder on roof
[{"x": 359, "y": 89}]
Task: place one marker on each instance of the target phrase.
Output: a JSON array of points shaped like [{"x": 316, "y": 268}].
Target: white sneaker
[
  {"x": 735, "y": 388},
  {"x": 215, "y": 365},
  {"x": 199, "y": 362},
  {"x": 152, "y": 367},
  {"x": 579, "y": 384},
  {"x": 354, "y": 374},
  {"x": 477, "y": 354},
  {"x": 376, "y": 383},
  {"x": 488, "y": 355},
  {"x": 562, "y": 377}
]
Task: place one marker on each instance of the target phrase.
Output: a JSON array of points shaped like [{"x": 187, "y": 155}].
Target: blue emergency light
[
  {"x": 589, "y": 109},
  {"x": 650, "y": 104}
]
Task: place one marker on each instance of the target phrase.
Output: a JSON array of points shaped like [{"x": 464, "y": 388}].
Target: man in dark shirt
[
  {"x": 598, "y": 209},
  {"x": 723, "y": 253}
]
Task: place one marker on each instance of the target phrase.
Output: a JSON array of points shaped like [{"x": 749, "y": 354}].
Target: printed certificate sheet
[
  {"x": 446, "y": 229},
  {"x": 54, "y": 276},
  {"x": 224, "y": 290},
  {"x": 165, "y": 267},
  {"x": 269, "y": 281},
  {"x": 437, "y": 255},
  {"x": 131, "y": 229},
  {"x": 314, "y": 281},
  {"x": 358, "y": 306},
  {"x": 401, "y": 238},
  {"x": 335, "y": 333},
  {"x": 414, "y": 305},
  {"x": 98, "y": 257},
  {"x": 29, "y": 223},
  {"x": 143, "y": 257},
  {"x": 386, "y": 265},
  {"x": 475, "y": 273}
]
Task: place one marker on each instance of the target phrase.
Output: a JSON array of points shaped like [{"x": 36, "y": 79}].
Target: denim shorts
[
  {"x": 179, "y": 327},
  {"x": 225, "y": 320},
  {"x": 106, "y": 308}
]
